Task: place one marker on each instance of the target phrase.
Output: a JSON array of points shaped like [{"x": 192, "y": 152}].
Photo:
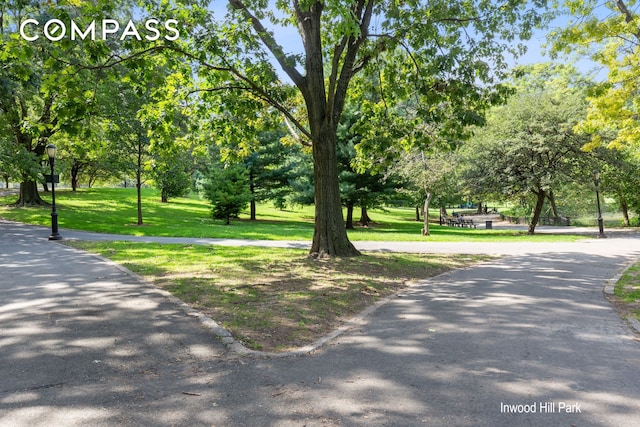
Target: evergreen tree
[{"x": 227, "y": 188}]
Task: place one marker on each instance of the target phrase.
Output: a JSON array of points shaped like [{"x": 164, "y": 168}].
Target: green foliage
[
  {"x": 43, "y": 94},
  {"x": 172, "y": 175},
  {"x": 367, "y": 189},
  {"x": 273, "y": 167},
  {"x": 619, "y": 178},
  {"x": 609, "y": 33},
  {"x": 529, "y": 147},
  {"x": 227, "y": 188},
  {"x": 441, "y": 57},
  {"x": 435, "y": 173}
]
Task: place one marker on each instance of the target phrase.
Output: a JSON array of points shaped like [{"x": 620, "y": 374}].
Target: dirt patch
[
  {"x": 294, "y": 303},
  {"x": 625, "y": 300}
]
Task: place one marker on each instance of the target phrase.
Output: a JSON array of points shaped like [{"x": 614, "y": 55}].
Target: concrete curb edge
[
  {"x": 227, "y": 338},
  {"x": 608, "y": 290}
]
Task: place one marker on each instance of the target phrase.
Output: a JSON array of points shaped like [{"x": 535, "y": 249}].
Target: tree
[
  {"x": 272, "y": 168},
  {"x": 128, "y": 138},
  {"x": 11, "y": 159},
  {"x": 610, "y": 34},
  {"x": 41, "y": 93},
  {"x": 227, "y": 189},
  {"x": 450, "y": 52},
  {"x": 529, "y": 144},
  {"x": 430, "y": 175},
  {"x": 359, "y": 185},
  {"x": 171, "y": 172},
  {"x": 619, "y": 178}
]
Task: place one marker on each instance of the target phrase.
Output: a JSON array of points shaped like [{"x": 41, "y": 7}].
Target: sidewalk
[
  {"x": 489, "y": 248},
  {"x": 82, "y": 343}
]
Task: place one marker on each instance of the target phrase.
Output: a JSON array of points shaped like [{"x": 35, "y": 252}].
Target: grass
[
  {"x": 113, "y": 210},
  {"x": 275, "y": 299},
  {"x": 627, "y": 291}
]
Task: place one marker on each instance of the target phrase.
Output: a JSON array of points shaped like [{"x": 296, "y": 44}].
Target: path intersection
[{"x": 527, "y": 339}]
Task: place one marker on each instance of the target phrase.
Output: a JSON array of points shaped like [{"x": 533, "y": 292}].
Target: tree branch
[
  {"x": 364, "y": 12},
  {"x": 269, "y": 41},
  {"x": 250, "y": 87},
  {"x": 339, "y": 50},
  {"x": 111, "y": 61},
  {"x": 628, "y": 16}
]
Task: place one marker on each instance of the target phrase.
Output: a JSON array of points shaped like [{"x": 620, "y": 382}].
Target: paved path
[
  {"x": 81, "y": 343},
  {"x": 500, "y": 248}
]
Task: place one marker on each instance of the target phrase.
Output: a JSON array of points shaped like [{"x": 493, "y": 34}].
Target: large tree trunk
[
  {"x": 29, "y": 195},
  {"x": 330, "y": 233},
  {"x": 541, "y": 194},
  {"x": 28, "y": 188},
  {"x": 76, "y": 167},
  {"x": 425, "y": 228},
  {"x": 324, "y": 106}
]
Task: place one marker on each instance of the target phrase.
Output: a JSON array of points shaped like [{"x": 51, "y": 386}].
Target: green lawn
[
  {"x": 628, "y": 291},
  {"x": 113, "y": 210}
]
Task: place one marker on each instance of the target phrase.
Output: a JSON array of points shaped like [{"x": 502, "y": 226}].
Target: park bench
[
  {"x": 451, "y": 222},
  {"x": 458, "y": 222},
  {"x": 467, "y": 223}
]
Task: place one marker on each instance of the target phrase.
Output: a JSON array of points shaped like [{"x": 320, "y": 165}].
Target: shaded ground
[
  {"x": 82, "y": 344},
  {"x": 280, "y": 299}
]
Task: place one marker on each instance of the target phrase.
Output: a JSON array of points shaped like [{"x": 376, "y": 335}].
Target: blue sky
[{"x": 290, "y": 40}]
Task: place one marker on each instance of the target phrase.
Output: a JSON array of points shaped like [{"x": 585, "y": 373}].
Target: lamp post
[
  {"x": 51, "y": 152},
  {"x": 596, "y": 178}
]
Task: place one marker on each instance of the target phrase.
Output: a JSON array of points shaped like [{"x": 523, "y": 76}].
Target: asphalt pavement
[{"x": 524, "y": 340}]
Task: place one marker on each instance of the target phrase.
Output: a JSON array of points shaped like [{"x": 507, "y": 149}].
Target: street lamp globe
[{"x": 51, "y": 151}]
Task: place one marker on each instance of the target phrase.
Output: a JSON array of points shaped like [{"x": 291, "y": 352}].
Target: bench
[
  {"x": 458, "y": 222},
  {"x": 467, "y": 223}
]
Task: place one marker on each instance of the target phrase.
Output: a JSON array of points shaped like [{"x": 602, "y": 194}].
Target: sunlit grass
[
  {"x": 113, "y": 210},
  {"x": 627, "y": 292},
  {"x": 628, "y": 287}
]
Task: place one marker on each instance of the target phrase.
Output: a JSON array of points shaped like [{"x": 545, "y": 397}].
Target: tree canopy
[
  {"x": 609, "y": 33},
  {"x": 447, "y": 54},
  {"x": 529, "y": 145}
]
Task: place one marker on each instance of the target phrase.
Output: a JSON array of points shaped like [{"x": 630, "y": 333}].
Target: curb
[
  {"x": 227, "y": 338},
  {"x": 224, "y": 335},
  {"x": 608, "y": 290}
]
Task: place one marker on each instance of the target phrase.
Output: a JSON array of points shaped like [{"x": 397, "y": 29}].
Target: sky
[{"x": 536, "y": 52}]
